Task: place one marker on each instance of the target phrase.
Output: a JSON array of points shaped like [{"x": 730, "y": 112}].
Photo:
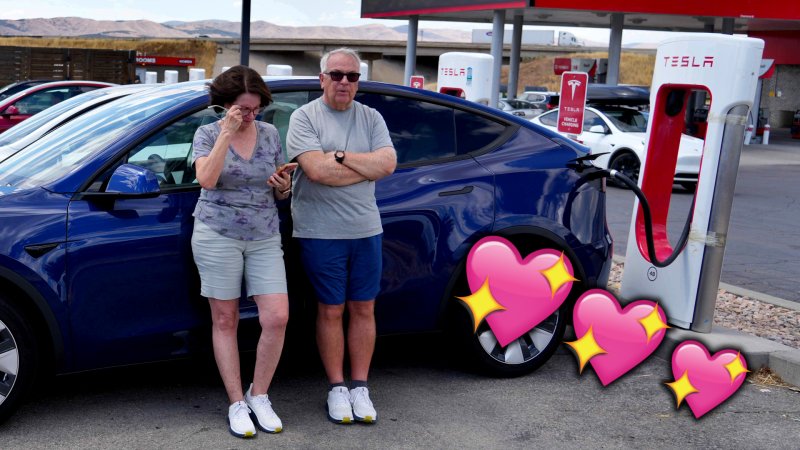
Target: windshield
[
  {"x": 25, "y": 128},
  {"x": 63, "y": 150},
  {"x": 627, "y": 120}
]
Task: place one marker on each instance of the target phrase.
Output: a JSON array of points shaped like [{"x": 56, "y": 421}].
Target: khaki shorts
[{"x": 223, "y": 262}]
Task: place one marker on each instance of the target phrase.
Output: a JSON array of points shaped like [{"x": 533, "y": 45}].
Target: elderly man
[{"x": 342, "y": 147}]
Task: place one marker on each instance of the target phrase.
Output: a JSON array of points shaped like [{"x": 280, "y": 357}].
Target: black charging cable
[{"x": 648, "y": 221}]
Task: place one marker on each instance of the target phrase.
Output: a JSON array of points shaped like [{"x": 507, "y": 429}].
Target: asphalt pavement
[{"x": 424, "y": 400}]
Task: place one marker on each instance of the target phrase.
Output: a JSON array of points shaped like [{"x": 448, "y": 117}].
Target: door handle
[{"x": 464, "y": 190}]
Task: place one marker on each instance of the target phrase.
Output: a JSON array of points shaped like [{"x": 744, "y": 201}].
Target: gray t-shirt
[
  {"x": 324, "y": 212},
  {"x": 242, "y": 205}
]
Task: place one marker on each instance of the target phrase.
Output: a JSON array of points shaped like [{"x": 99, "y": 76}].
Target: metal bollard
[
  {"x": 765, "y": 141},
  {"x": 748, "y": 134}
]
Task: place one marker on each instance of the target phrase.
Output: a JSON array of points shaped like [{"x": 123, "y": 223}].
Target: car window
[
  {"x": 281, "y": 109},
  {"x": 421, "y": 131},
  {"x": 474, "y": 132},
  {"x": 628, "y": 120},
  {"x": 591, "y": 119},
  {"x": 550, "y": 119},
  {"x": 168, "y": 152},
  {"x": 41, "y": 100}
]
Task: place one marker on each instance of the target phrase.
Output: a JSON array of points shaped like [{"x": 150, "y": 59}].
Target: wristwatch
[{"x": 339, "y": 155}]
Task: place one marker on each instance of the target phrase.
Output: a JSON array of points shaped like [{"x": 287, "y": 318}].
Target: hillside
[{"x": 635, "y": 68}]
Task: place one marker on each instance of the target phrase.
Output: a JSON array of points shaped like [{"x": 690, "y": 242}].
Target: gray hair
[{"x": 323, "y": 63}]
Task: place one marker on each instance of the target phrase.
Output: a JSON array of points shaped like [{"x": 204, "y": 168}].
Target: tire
[
  {"x": 19, "y": 359},
  {"x": 626, "y": 162},
  {"x": 480, "y": 350},
  {"x": 525, "y": 354}
]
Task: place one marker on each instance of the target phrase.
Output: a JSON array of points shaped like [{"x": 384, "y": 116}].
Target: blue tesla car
[{"x": 95, "y": 258}]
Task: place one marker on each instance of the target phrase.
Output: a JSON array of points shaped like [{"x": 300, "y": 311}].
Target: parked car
[
  {"x": 95, "y": 257},
  {"x": 24, "y": 104},
  {"x": 544, "y": 100},
  {"x": 620, "y": 132},
  {"x": 519, "y": 108},
  {"x": 11, "y": 89},
  {"x": 612, "y": 94},
  {"x": 21, "y": 135}
]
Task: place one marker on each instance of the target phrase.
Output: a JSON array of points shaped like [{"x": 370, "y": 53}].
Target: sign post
[{"x": 572, "y": 102}]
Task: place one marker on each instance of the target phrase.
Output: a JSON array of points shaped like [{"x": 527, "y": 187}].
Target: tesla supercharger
[{"x": 726, "y": 68}]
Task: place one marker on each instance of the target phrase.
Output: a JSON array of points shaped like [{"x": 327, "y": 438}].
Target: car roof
[{"x": 62, "y": 83}]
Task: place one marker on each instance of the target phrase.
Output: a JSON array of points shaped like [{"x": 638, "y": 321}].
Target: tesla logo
[
  {"x": 688, "y": 61},
  {"x": 573, "y": 84},
  {"x": 453, "y": 72}
]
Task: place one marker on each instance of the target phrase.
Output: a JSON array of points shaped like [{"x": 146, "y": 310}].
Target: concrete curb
[{"x": 759, "y": 352}]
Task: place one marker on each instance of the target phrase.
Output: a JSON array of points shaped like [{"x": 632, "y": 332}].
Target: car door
[
  {"x": 133, "y": 289},
  {"x": 437, "y": 199}
]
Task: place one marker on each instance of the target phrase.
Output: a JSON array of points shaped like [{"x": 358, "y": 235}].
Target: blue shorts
[{"x": 343, "y": 269}]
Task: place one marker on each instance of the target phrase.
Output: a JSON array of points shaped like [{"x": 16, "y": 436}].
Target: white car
[{"x": 620, "y": 132}]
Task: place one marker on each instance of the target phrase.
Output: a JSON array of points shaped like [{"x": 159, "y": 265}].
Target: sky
[{"x": 280, "y": 12}]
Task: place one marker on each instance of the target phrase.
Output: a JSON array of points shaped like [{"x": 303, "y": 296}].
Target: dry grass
[
  {"x": 204, "y": 51},
  {"x": 635, "y": 68},
  {"x": 767, "y": 378}
]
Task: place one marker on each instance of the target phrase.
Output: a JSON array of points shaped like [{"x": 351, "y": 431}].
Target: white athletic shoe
[
  {"x": 261, "y": 412},
  {"x": 363, "y": 410},
  {"x": 339, "y": 410},
  {"x": 239, "y": 422}
]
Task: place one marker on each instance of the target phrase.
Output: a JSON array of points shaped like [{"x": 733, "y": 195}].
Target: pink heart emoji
[
  {"x": 712, "y": 378},
  {"x": 516, "y": 284},
  {"x": 621, "y": 334}
]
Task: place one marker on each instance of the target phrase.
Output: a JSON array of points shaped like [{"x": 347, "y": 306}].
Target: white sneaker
[
  {"x": 262, "y": 414},
  {"x": 362, "y": 405},
  {"x": 239, "y": 422},
  {"x": 339, "y": 410}
]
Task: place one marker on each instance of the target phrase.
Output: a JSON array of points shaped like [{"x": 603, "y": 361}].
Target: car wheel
[
  {"x": 626, "y": 163},
  {"x": 19, "y": 359},
  {"x": 480, "y": 349},
  {"x": 524, "y": 355}
]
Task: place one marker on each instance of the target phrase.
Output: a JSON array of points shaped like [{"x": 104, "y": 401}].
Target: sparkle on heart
[
  {"x": 612, "y": 339},
  {"x": 512, "y": 294},
  {"x": 705, "y": 381}
]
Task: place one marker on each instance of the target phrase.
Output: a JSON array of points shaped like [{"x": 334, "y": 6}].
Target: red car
[{"x": 24, "y": 104}]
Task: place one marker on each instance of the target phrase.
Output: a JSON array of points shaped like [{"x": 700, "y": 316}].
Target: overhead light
[
  {"x": 638, "y": 21},
  {"x": 544, "y": 16}
]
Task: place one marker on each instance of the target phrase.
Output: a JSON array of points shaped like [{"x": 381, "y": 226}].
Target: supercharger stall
[
  {"x": 466, "y": 75},
  {"x": 726, "y": 68}
]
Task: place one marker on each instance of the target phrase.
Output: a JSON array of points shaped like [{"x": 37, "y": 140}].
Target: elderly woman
[{"x": 236, "y": 237}]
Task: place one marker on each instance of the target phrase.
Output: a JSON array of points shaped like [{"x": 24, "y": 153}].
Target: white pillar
[
  {"x": 151, "y": 78},
  {"x": 197, "y": 74},
  {"x": 170, "y": 76}
]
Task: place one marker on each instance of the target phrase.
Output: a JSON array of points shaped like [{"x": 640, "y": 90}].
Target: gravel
[{"x": 745, "y": 314}]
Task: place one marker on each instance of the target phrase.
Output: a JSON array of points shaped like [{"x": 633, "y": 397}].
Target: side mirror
[
  {"x": 11, "y": 111},
  {"x": 597, "y": 129},
  {"x": 127, "y": 181},
  {"x": 130, "y": 179}
]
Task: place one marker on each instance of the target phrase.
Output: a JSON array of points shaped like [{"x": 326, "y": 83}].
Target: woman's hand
[
  {"x": 232, "y": 120},
  {"x": 282, "y": 183}
]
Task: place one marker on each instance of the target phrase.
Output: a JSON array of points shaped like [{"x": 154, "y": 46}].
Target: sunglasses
[{"x": 337, "y": 76}]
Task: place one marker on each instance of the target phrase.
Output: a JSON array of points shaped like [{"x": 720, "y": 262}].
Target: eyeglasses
[
  {"x": 244, "y": 111},
  {"x": 337, "y": 76}
]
